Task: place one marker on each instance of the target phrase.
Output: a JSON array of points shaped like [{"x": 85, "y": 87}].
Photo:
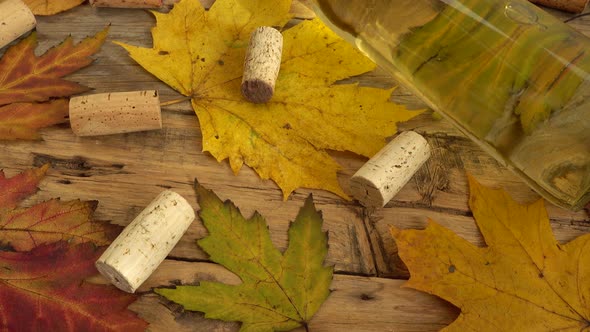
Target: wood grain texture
[
  {"x": 127, "y": 3},
  {"x": 124, "y": 172}
]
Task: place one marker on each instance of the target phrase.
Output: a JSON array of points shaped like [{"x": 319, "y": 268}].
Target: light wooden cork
[
  {"x": 16, "y": 19},
  {"x": 127, "y": 3},
  {"x": 115, "y": 113},
  {"x": 384, "y": 175},
  {"x": 262, "y": 64},
  {"x": 138, "y": 251}
]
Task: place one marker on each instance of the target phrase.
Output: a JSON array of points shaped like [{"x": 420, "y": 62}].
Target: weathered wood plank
[
  {"x": 136, "y": 166},
  {"x": 125, "y": 172}
]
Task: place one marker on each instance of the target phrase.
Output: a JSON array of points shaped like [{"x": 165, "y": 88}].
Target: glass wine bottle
[{"x": 509, "y": 75}]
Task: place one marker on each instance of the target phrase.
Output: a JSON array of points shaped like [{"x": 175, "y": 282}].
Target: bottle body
[{"x": 509, "y": 75}]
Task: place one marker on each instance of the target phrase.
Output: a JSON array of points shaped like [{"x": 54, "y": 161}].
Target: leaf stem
[
  {"x": 175, "y": 101},
  {"x": 575, "y": 17}
]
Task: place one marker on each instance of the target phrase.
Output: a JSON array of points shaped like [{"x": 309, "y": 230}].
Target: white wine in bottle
[{"x": 509, "y": 75}]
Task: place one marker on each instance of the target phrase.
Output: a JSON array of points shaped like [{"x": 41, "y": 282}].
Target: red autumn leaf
[
  {"x": 52, "y": 250},
  {"x": 23, "y": 229},
  {"x": 44, "y": 290},
  {"x": 27, "y": 80}
]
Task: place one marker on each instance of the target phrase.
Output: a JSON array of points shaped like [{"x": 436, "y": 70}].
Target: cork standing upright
[{"x": 262, "y": 64}]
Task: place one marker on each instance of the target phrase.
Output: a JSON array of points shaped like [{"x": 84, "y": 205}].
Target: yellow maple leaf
[
  {"x": 523, "y": 281},
  {"x": 201, "y": 53},
  {"x": 51, "y": 7}
]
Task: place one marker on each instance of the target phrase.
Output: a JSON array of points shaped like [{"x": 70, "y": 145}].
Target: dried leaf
[
  {"x": 19, "y": 187},
  {"x": 29, "y": 83},
  {"x": 279, "y": 292},
  {"x": 28, "y": 78},
  {"x": 23, "y": 120},
  {"x": 286, "y": 139},
  {"x": 54, "y": 221},
  {"x": 522, "y": 281},
  {"x": 23, "y": 229},
  {"x": 51, "y": 7},
  {"x": 44, "y": 290}
]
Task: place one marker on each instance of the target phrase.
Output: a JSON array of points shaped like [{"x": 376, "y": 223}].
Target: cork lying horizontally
[
  {"x": 262, "y": 64},
  {"x": 16, "y": 19},
  {"x": 384, "y": 175},
  {"x": 146, "y": 241},
  {"x": 127, "y": 3},
  {"x": 572, "y": 6},
  {"x": 115, "y": 113}
]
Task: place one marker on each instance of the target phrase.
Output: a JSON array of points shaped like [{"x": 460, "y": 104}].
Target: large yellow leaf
[
  {"x": 200, "y": 54},
  {"x": 523, "y": 281}
]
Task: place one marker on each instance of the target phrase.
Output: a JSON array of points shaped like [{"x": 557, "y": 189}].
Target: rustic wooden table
[{"x": 125, "y": 172}]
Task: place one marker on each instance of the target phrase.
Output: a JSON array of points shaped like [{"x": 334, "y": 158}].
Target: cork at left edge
[{"x": 16, "y": 19}]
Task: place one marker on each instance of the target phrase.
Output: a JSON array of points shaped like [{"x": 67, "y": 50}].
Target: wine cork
[
  {"x": 262, "y": 64},
  {"x": 572, "y": 6},
  {"x": 115, "y": 113},
  {"x": 384, "y": 175},
  {"x": 127, "y": 3},
  {"x": 146, "y": 241},
  {"x": 16, "y": 19}
]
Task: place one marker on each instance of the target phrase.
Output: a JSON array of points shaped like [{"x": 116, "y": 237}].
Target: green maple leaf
[{"x": 279, "y": 291}]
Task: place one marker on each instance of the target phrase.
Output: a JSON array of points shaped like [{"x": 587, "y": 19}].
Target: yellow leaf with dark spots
[{"x": 201, "y": 55}]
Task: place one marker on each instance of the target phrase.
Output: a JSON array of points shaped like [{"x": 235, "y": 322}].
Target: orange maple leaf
[
  {"x": 23, "y": 229},
  {"x": 15, "y": 189},
  {"x": 22, "y": 120},
  {"x": 28, "y": 84}
]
